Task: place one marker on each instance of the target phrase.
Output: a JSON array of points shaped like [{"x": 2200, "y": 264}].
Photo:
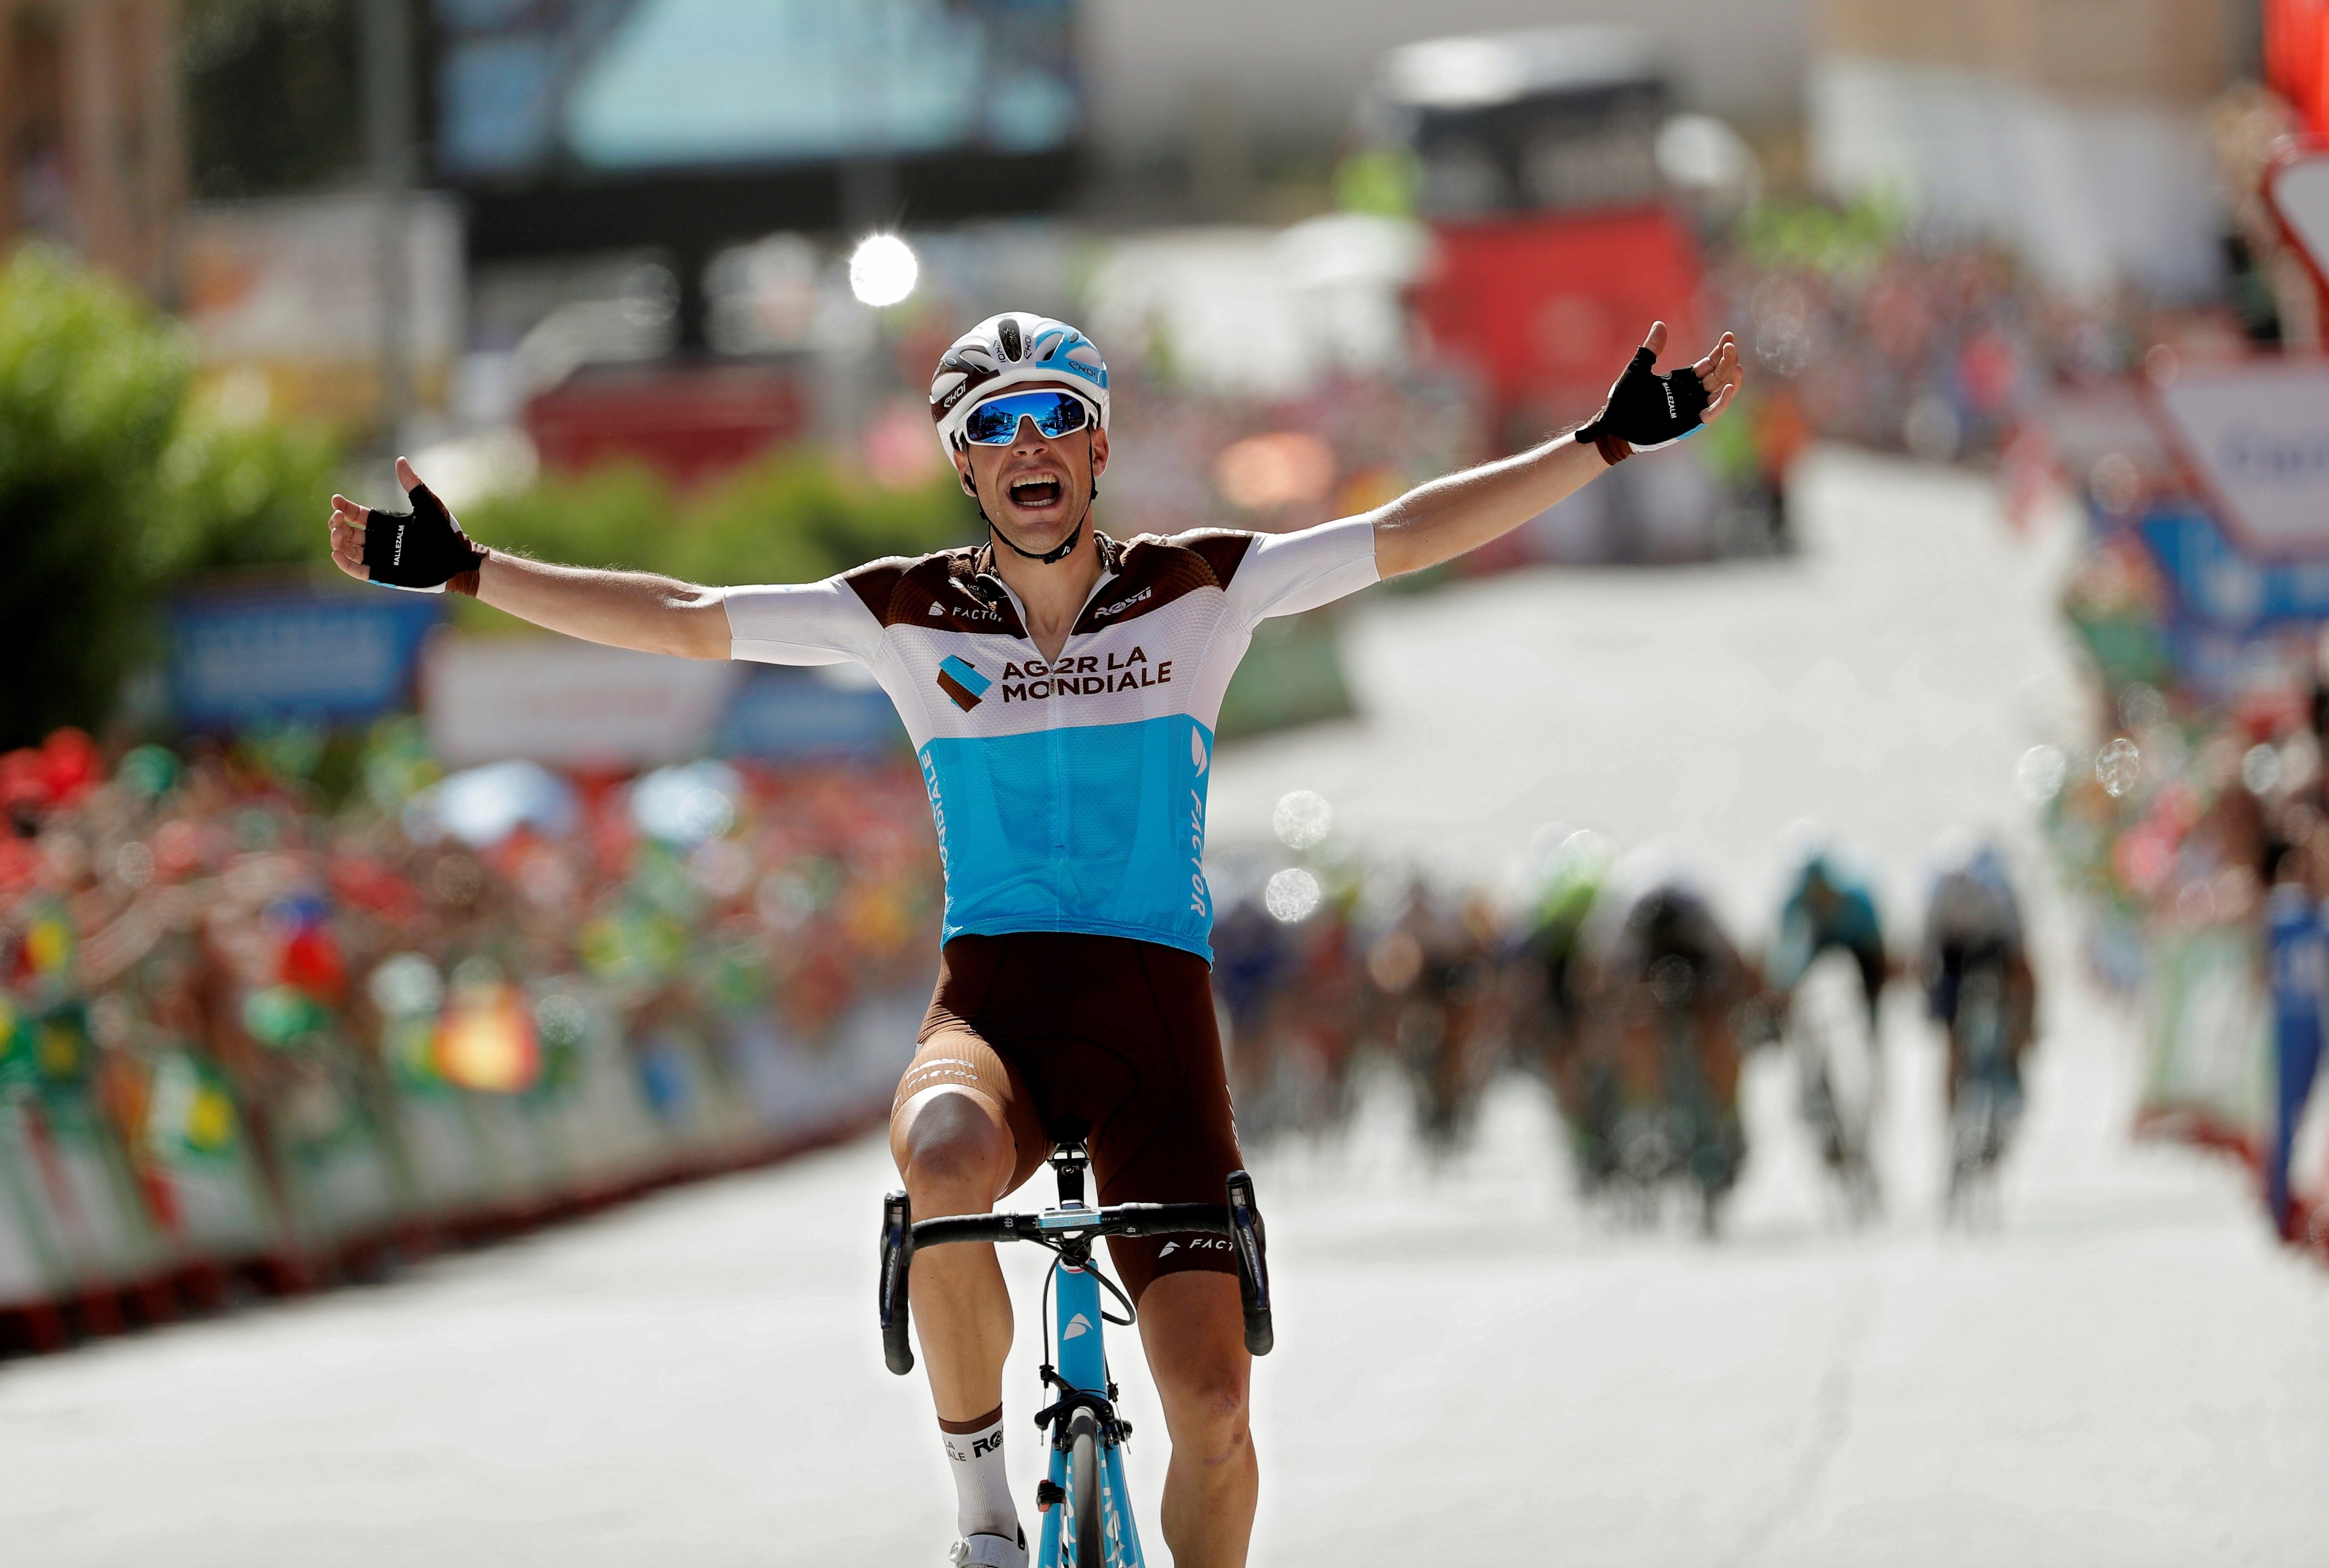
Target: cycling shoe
[{"x": 990, "y": 1551}]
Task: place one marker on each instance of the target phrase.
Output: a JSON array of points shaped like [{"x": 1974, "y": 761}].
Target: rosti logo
[
  {"x": 959, "y": 679},
  {"x": 1121, "y": 605},
  {"x": 1035, "y": 681}
]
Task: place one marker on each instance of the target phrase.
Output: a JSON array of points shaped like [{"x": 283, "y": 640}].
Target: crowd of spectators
[
  {"x": 250, "y": 1027},
  {"x": 2196, "y": 830}
]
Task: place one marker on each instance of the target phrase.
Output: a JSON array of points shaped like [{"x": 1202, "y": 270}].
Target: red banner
[{"x": 1546, "y": 309}]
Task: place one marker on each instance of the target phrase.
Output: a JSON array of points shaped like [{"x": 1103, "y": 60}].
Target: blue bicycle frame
[
  {"x": 1075, "y": 1368},
  {"x": 1078, "y": 1319}
]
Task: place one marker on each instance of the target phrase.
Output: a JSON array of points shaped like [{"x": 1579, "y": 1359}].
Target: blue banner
[
  {"x": 239, "y": 657},
  {"x": 779, "y": 715},
  {"x": 2218, "y": 585}
]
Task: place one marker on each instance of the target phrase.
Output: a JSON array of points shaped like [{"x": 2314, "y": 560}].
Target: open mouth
[{"x": 1035, "y": 493}]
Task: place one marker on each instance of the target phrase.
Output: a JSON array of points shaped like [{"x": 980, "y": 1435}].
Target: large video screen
[{"x": 537, "y": 88}]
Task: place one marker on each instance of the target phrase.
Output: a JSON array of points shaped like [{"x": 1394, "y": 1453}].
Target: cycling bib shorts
[{"x": 1067, "y": 1034}]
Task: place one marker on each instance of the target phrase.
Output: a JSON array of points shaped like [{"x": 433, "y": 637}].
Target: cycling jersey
[
  {"x": 1069, "y": 794},
  {"x": 1828, "y": 908}
]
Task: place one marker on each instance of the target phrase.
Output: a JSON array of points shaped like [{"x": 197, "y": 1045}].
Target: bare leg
[
  {"x": 957, "y": 1155},
  {"x": 1194, "y": 1330}
]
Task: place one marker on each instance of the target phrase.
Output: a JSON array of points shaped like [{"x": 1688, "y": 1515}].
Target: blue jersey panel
[{"x": 1097, "y": 829}]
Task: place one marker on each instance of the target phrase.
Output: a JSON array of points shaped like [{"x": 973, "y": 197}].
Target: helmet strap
[{"x": 1067, "y": 546}]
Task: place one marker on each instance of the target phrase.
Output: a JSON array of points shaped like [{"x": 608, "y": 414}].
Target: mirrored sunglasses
[{"x": 995, "y": 421}]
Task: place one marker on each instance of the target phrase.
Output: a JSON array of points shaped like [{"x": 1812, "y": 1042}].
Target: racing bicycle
[
  {"x": 1831, "y": 1035},
  {"x": 1084, "y": 1504},
  {"x": 1985, "y": 1101}
]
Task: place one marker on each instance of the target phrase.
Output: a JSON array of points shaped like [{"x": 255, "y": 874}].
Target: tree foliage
[{"x": 115, "y": 481}]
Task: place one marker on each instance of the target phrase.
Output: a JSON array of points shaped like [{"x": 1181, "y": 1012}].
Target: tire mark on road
[{"x": 1832, "y": 1420}]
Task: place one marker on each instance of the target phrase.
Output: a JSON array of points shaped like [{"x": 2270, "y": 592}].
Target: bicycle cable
[
  {"x": 1118, "y": 1291},
  {"x": 1045, "y": 1311}
]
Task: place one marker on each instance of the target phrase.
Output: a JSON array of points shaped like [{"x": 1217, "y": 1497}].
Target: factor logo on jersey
[{"x": 959, "y": 679}]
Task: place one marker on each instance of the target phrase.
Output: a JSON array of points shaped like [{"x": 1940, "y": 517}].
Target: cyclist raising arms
[{"x": 1060, "y": 688}]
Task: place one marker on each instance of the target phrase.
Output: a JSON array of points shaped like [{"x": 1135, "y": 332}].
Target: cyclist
[
  {"x": 1555, "y": 923},
  {"x": 1440, "y": 1008},
  {"x": 1663, "y": 1002},
  {"x": 1829, "y": 906},
  {"x": 1252, "y": 955},
  {"x": 1973, "y": 927},
  {"x": 1061, "y": 687}
]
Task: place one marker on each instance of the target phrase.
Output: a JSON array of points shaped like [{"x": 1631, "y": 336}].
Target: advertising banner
[
  {"x": 780, "y": 715},
  {"x": 2257, "y": 438},
  {"x": 569, "y": 704},
  {"x": 2217, "y": 584},
  {"x": 294, "y": 653}
]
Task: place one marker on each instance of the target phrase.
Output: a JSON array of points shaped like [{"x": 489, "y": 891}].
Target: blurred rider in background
[
  {"x": 1828, "y": 906},
  {"x": 1973, "y": 928},
  {"x": 1661, "y": 1004}
]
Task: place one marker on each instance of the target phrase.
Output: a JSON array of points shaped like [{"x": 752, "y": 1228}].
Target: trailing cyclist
[
  {"x": 1829, "y": 906},
  {"x": 1830, "y": 910},
  {"x": 1556, "y": 922},
  {"x": 1665, "y": 996},
  {"x": 1979, "y": 985},
  {"x": 1061, "y": 687},
  {"x": 1443, "y": 1020}
]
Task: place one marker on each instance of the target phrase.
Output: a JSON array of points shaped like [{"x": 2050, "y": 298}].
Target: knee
[
  {"x": 1209, "y": 1414},
  {"x": 948, "y": 1143}
]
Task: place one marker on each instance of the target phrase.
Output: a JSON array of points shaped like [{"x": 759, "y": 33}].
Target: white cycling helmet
[{"x": 1012, "y": 349}]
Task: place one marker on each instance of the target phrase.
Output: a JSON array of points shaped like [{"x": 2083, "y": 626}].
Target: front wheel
[{"x": 1084, "y": 1525}]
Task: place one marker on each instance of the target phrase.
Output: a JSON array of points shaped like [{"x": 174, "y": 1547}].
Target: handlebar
[
  {"x": 1122, "y": 1220},
  {"x": 897, "y": 1256},
  {"x": 1238, "y": 1219}
]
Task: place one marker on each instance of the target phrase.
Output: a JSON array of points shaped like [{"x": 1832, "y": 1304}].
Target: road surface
[{"x": 2125, "y": 1373}]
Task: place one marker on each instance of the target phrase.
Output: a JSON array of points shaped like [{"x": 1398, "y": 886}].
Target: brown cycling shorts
[{"x": 1107, "y": 1036}]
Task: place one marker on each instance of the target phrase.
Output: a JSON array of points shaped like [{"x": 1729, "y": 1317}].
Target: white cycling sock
[{"x": 981, "y": 1492}]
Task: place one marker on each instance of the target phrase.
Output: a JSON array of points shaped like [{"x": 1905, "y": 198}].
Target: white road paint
[{"x": 2126, "y": 1373}]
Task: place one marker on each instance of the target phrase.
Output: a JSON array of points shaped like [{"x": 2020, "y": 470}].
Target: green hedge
[{"x": 792, "y": 517}]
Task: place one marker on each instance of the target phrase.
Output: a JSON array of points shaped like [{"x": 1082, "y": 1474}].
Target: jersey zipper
[{"x": 1055, "y": 747}]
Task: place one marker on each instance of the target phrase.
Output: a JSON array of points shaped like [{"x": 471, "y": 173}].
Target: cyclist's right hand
[{"x": 423, "y": 550}]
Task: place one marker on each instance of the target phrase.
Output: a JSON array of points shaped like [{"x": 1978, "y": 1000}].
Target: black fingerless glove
[
  {"x": 422, "y": 550},
  {"x": 1646, "y": 410}
]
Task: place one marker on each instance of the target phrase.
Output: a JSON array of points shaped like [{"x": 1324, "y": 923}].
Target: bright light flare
[
  {"x": 2040, "y": 774},
  {"x": 1302, "y": 819},
  {"x": 1291, "y": 896},
  {"x": 882, "y": 269}
]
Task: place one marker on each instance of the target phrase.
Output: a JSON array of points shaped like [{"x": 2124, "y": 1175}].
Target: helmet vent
[{"x": 1011, "y": 343}]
